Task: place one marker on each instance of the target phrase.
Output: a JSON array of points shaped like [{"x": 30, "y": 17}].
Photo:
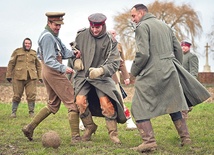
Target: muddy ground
[{"x": 6, "y": 93}]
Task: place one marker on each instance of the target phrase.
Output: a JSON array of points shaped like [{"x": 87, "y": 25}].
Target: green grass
[{"x": 13, "y": 142}]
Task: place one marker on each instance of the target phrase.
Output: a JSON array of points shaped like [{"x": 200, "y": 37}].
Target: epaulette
[
  {"x": 33, "y": 50},
  {"x": 81, "y": 30},
  {"x": 18, "y": 48}
]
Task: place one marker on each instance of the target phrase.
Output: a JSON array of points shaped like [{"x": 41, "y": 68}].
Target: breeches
[
  {"x": 30, "y": 90},
  {"x": 58, "y": 88},
  {"x": 105, "y": 104}
]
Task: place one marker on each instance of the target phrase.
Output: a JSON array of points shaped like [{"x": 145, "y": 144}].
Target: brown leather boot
[
  {"x": 183, "y": 131},
  {"x": 90, "y": 127},
  {"x": 74, "y": 125},
  {"x": 185, "y": 114},
  {"x": 29, "y": 129},
  {"x": 112, "y": 130},
  {"x": 147, "y": 134}
]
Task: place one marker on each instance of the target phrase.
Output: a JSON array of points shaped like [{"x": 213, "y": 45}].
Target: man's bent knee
[
  {"x": 81, "y": 103},
  {"x": 107, "y": 107}
]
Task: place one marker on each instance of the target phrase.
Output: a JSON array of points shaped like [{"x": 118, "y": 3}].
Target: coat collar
[{"x": 145, "y": 17}]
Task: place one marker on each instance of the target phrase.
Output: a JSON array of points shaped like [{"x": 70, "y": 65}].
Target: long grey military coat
[
  {"x": 99, "y": 52},
  {"x": 190, "y": 63},
  {"x": 160, "y": 78}
]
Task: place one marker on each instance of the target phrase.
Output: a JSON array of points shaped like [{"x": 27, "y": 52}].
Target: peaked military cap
[
  {"x": 186, "y": 43},
  {"x": 97, "y": 19},
  {"x": 56, "y": 17}
]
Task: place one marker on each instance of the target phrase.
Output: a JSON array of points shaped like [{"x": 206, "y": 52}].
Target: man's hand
[
  {"x": 77, "y": 53},
  {"x": 78, "y": 65},
  {"x": 9, "y": 79},
  {"x": 69, "y": 70},
  {"x": 127, "y": 81},
  {"x": 95, "y": 72}
]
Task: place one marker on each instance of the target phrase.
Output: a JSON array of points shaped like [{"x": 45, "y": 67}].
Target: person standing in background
[
  {"x": 23, "y": 70},
  {"x": 190, "y": 60},
  {"x": 51, "y": 51},
  {"x": 130, "y": 125},
  {"x": 190, "y": 63}
]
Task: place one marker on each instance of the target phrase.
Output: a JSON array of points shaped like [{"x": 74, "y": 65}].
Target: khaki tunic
[
  {"x": 23, "y": 63},
  {"x": 124, "y": 72}
]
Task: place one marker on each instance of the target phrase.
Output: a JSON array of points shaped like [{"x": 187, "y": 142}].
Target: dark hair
[
  {"x": 140, "y": 7},
  {"x": 28, "y": 39}
]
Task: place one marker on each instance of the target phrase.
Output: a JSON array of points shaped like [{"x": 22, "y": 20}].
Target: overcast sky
[{"x": 26, "y": 18}]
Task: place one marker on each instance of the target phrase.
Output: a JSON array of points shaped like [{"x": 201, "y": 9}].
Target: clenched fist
[
  {"x": 95, "y": 72},
  {"x": 78, "y": 65}
]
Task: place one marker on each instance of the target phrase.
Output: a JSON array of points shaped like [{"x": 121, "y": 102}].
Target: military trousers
[
  {"x": 59, "y": 89},
  {"x": 28, "y": 85}
]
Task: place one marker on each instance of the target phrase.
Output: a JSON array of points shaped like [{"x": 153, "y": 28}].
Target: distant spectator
[
  {"x": 190, "y": 63},
  {"x": 24, "y": 69},
  {"x": 130, "y": 125}
]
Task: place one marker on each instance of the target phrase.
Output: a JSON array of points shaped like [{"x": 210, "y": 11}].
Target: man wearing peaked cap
[
  {"x": 51, "y": 51},
  {"x": 186, "y": 43},
  {"x": 95, "y": 91},
  {"x": 55, "y": 17},
  {"x": 190, "y": 60},
  {"x": 97, "y": 19},
  {"x": 190, "y": 63}
]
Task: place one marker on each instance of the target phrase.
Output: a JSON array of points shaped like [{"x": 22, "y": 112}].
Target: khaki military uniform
[{"x": 24, "y": 68}]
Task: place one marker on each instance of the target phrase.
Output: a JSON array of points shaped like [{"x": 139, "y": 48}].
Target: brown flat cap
[
  {"x": 56, "y": 17},
  {"x": 97, "y": 19}
]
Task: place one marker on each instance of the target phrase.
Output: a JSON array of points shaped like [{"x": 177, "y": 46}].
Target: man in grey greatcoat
[
  {"x": 190, "y": 63},
  {"x": 95, "y": 91},
  {"x": 162, "y": 85}
]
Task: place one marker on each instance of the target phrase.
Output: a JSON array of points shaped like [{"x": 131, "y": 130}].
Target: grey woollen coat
[
  {"x": 99, "y": 52},
  {"x": 160, "y": 84}
]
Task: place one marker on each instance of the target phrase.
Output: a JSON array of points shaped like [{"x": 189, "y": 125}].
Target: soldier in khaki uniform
[
  {"x": 51, "y": 51},
  {"x": 23, "y": 70}
]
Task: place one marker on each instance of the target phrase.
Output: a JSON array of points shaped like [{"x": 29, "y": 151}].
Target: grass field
[{"x": 13, "y": 142}]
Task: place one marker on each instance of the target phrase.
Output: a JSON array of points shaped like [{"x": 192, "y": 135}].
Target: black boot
[
  {"x": 31, "y": 107},
  {"x": 14, "y": 109}
]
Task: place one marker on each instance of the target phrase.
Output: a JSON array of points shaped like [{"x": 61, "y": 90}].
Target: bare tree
[
  {"x": 182, "y": 19},
  {"x": 211, "y": 37}
]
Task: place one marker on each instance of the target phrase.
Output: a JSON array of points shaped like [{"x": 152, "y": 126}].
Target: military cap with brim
[
  {"x": 97, "y": 19},
  {"x": 185, "y": 43},
  {"x": 56, "y": 17}
]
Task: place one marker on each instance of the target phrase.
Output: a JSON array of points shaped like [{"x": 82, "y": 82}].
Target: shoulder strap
[{"x": 58, "y": 47}]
